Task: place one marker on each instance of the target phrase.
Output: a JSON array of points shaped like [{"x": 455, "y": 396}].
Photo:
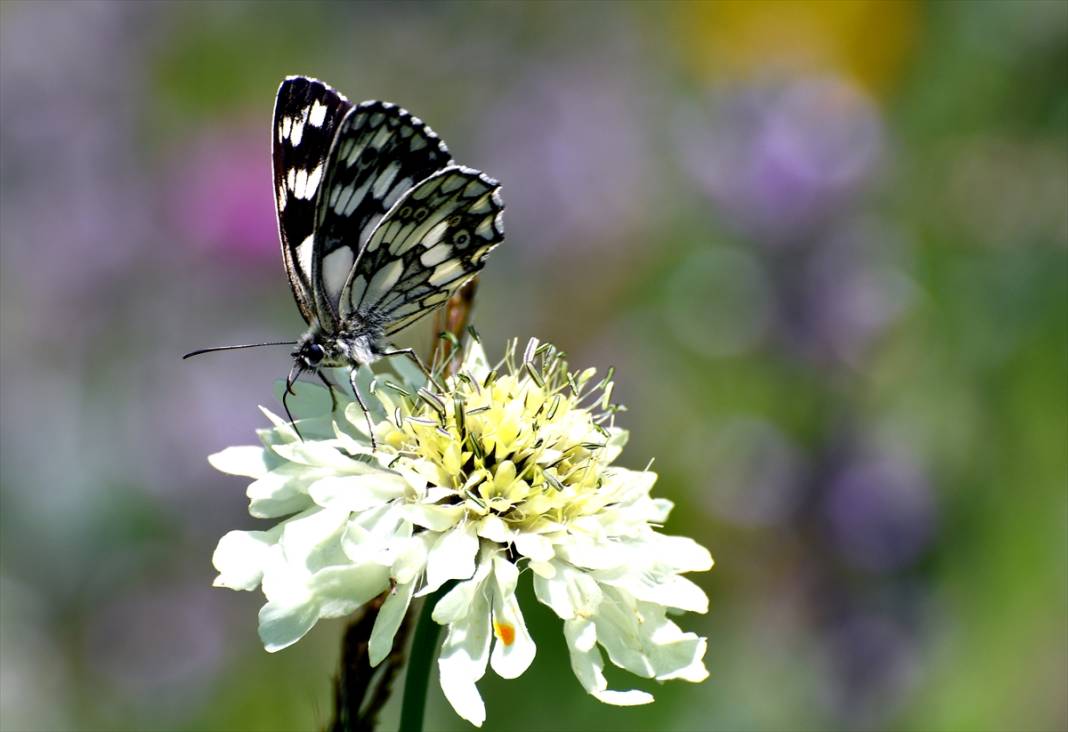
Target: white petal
[
  {"x": 388, "y": 621},
  {"x": 659, "y": 511},
  {"x": 249, "y": 461},
  {"x": 462, "y": 693},
  {"x": 462, "y": 662},
  {"x": 494, "y": 528},
  {"x": 435, "y": 518},
  {"x": 617, "y": 438},
  {"x": 357, "y": 492},
  {"x": 342, "y": 590},
  {"x": 318, "y": 453},
  {"x": 475, "y": 362},
  {"x": 411, "y": 558},
  {"x": 595, "y": 555},
  {"x": 241, "y": 556},
  {"x": 514, "y": 649},
  {"x": 668, "y": 591},
  {"x": 543, "y": 569},
  {"x": 452, "y": 557},
  {"x": 683, "y": 554},
  {"x": 309, "y": 532},
  {"x": 459, "y": 601},
  {"x": 376, "y": 534},
  {"x": 681, "y": 660},
  {"x": 588, "y": 665},
  {"x": 535, "y": 546},
  {"x": 284, "y": 625},
  {"x": 279, "y": 493},
  {"x": 569, "y": 592},
  {"x": 620, "y": 633},
  {"x": 631, "y": 698}
]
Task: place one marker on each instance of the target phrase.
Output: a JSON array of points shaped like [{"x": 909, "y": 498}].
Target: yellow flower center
[{"x": 520, "y": 446}]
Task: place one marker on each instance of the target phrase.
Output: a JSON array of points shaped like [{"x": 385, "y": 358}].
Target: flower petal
[
  {"x": 241, "y": 557},
  {"x": 249, "y": 461},
  {"x": 342, "y": 590},
  {"x": 569, "y": 592},
  {"x": 284, "y": 625},
  {"x": 451, "y": 557},
  {"x": 459, "y": 601},
  {"x": 278, "y": 493},
  {"x": 357, "y": 492},
  {"x": 534, "y": 546},
  {"x": 390, "y": 616},
  {"x": 514, "y": 649},
  {"x": 588, "y": 665},
  {"x": 462, "y": 661},
  {"x": 433, "y": 517}
]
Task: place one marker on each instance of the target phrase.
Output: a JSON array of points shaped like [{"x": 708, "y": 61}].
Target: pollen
[{"x": 505, "y": 632}]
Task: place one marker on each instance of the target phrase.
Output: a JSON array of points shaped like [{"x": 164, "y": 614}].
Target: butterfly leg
[
  {"x": 410, "y": 353},
  {"x": 330, "y": 388},
  {"x": 366, "y": 413}
]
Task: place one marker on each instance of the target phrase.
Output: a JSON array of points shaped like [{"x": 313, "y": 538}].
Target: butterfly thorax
[{"x": 356, "y": 342}]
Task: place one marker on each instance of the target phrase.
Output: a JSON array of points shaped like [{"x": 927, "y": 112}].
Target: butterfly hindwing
[
  {"x": 307, "y": 113},
  {"x": 379, "y": 153},
  {"x": 433, "y": 239}
]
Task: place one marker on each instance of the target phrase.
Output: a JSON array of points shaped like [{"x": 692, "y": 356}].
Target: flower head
[{"x": 495, "y": 471}]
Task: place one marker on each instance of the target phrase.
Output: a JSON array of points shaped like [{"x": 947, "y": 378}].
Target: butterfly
[{"x": 378, "y": 225}]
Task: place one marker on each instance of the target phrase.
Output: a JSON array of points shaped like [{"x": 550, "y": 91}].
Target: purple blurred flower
[
  {"x": 222, "y": 194},
  {"x": 779, "y": 159},
  {"x": 879, "y": 509}
]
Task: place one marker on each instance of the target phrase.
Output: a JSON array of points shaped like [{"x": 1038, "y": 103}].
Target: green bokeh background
[{"x": 825, "y": 244}]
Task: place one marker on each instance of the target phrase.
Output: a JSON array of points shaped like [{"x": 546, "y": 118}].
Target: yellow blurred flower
[{"x": 867, "y": 41}]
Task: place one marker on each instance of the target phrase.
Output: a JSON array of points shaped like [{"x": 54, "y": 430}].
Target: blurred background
[{"x": 824, "y": 244}]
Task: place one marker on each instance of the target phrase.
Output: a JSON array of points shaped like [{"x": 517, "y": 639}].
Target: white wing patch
[
  {"x": 435, "y": 255},
  {"x": 336, "y": 267},
  {"x": 383, "y": 281},
  {"x": 297, "y": 132},
  {"x": 318, "y": 114},
  {"x": 304, "y": 252}
]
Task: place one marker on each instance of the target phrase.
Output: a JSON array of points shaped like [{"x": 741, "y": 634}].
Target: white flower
[{"x": 496, "y": 471}]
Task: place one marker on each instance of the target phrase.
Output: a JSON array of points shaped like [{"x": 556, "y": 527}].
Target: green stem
[{"x": 421, "y": 658}]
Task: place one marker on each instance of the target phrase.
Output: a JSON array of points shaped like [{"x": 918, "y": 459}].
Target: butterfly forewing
[
  {"x": 433, "y": 239},
  {"x": 380, "y": 152},
  {"x": 306, "y": 117}
]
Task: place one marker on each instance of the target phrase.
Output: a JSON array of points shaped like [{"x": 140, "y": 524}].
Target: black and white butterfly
[{"x": 378, "y": 225}]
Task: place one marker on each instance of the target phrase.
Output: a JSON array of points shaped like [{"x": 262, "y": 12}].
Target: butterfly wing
[
  {"x": 379, "y": 153},
  {"x": 307, "y": 114},
  {"x": 433, "y": 239}
]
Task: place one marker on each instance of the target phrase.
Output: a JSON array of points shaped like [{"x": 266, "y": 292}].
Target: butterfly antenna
[{"x": 234, "y": 348}]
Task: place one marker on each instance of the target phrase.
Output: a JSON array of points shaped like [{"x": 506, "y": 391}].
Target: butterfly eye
[
  {"x": 315, "y": 353},
  {"x": 420, "y": 214}
]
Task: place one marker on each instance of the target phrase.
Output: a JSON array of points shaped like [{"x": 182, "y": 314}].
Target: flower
[{"x": 496, "y": 471}]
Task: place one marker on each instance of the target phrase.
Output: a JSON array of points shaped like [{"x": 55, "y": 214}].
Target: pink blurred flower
[{"x": 222, "y": 198}]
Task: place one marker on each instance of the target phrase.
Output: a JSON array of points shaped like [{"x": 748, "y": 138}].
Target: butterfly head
[{"x": 310, "y": 353}]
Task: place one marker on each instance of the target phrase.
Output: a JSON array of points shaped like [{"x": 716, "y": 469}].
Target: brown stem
[
  {"x": 360, "y": 693},
  {"x": 453, "y": 318}
]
